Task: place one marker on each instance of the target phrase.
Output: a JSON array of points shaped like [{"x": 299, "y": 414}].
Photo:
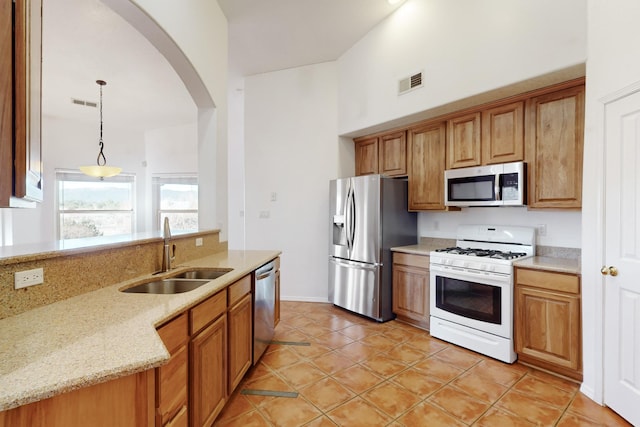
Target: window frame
[
  {"x": 159, "y": 179},
  {"x": 70, "y": 175}
]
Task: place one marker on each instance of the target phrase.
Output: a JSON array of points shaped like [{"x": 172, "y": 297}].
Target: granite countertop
[
  {"x": 100, "y": 335},
  {"x": 425, "y": 246},
  {"x": 557, "y": 265}
]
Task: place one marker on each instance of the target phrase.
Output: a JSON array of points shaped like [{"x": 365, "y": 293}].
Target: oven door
[{"x": 475, "y": 299}]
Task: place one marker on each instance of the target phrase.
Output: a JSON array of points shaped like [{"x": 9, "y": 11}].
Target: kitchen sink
[
  {"x": 203, "y": 273},
  {"x": 166, "y": 286}
]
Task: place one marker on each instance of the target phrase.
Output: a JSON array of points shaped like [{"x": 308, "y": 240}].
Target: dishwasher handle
[{"x": 265, "y": 271}]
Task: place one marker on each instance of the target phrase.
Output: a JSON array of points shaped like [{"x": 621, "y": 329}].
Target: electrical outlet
[
  {"x": 542, "y": 229},
  {"x": 198, "y": 241},
  {"x": 22, "y": 279},
  {"x": 265, "y": 214}
]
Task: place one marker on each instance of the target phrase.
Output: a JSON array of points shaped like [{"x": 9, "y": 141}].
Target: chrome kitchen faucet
[{"x": 166, "y": 254}]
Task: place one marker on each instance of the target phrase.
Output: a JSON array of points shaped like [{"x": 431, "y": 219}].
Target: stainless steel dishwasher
[{"x": 264, "y": 299}]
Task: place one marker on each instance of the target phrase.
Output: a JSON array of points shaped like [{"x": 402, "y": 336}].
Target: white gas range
[{"x": 471, "y": 288}]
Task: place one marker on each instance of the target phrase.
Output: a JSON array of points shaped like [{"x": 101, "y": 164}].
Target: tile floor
[{"x": 357, "y": 372}]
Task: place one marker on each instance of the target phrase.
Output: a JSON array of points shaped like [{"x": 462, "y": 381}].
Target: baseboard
[{"x": 304, "y": 299}]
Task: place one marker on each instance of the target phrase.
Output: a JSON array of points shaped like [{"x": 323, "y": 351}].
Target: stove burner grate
[{"x": 489, "y": 253}]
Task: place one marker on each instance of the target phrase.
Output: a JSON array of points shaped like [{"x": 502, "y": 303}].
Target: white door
[{"x": 622, "y": 253}]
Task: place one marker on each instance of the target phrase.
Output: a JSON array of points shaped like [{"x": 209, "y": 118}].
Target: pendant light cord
[{"x": 101, "y": 157}]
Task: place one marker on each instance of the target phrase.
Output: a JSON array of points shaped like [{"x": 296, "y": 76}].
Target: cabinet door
[
  {"x": 548, "y": 327},
  {"x": 366, "y": 156},
  {"x": 172, "y": 379},
  {"x": 393, "y": 154},
  {"x": 426, "y": 167},
  {"x": 503, "y": 133},
  {"x": 209, "y": 373},
  {"x": 555, "y": 138},
  {"x": 463, "y": 141},
  {"x": 411, "y": 293},
  {"x": 240, "y": 341},
  {"x": 6, "y": 97}
]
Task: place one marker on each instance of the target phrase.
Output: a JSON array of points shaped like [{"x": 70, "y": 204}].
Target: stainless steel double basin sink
[{"x": 182, "y": 282}]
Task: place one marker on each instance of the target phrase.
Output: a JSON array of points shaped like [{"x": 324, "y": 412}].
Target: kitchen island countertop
[{"x": 100, "y": 335}]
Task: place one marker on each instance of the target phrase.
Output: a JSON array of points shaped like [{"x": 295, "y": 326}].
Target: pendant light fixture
[{"x": 101, "y": 170}]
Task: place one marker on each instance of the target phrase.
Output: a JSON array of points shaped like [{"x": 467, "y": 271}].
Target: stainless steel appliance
[
  {"x": 494, "y": 185},
  {"x": 368, "y": 216},
  {"x": 471, "y": 288},
  {"x": 264, "y": 299}
]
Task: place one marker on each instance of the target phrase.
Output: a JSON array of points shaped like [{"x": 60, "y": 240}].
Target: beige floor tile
[
  {"x": 358, "y": 378},
  {"x": 529, "y": 408},
  {"x": 418, "y": 382},
  {"x": 459, "y": 404},
  {"x": 270, "y": 382},
  {"x": 236, "y": 406},
  {"x": 289, "y": 412},
  {"x": 280, "y": 358},
  {"x": 322, "y": 421},
  {"x": 495, "y": 417},
  {"x": 357, "y": 351},
  {"x": 435, "y": 367},
  {"x": 358, "y": 413},
  {"x": 333, "y": 340},
  {"x": 357, "y": 332},
  {"x": 301, "y": 374},
  {"x": 426, "y": 344},
  {"x": 425, "y": 414},
  {"x": 379, "y": 341},
  {"x": 587, "y": 408},
  {"x": 315, "y": 349},
  {"x": 479, "y": 387},
  {"x": 543, "y": 391},
  {"x": 327, "y": 394},
  {"x": 498, "y": 372},
  {"x": 248, "y": 419},
  {"x": 459, "y": 357},
  {"x": 392, "y": 399},
  {"x": 406, "y": 354},
  {"x": 384, "y": 365},
  {"x": 332, "y": 362}
]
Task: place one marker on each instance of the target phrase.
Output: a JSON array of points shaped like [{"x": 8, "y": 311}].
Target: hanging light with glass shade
[{"x": 101, "y": 170}]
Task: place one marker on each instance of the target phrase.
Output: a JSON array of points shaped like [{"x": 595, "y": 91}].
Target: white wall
[
  {"x": 563, "y": 228},
  {"x": 613, "y": 64},
  {"x": 67, "y": 145},
  {"x": 464, "y": 47},
  {"x": 169, "y": 150},
  {"x": 291, "y": 149}
]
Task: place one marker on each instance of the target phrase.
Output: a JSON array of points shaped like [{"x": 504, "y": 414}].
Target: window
[
  {"x": 176, "y": 197},
  {"x": 88, "y": 207}
]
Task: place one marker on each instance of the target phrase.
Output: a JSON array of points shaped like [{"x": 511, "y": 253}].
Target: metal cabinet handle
[{"x": 613, "y": 271}]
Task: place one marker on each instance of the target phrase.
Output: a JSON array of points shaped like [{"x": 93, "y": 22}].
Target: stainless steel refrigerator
[{"x": 368, "y": 216}]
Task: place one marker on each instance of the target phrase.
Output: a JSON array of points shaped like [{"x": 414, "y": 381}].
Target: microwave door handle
[{"x": 498, "y": 187}]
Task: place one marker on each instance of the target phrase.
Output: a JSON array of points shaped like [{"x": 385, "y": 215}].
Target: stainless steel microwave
[{"x": 493, "y": 185}]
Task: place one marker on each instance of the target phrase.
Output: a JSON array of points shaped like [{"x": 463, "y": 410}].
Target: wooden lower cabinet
[
  {"x": 548, "y": 322},
  {"x": 125, "y": 401},
  {"x": 172, "y": 379},
  {"x": 209, "y": 373},
  {"x": 240, "y": 318},
  {"x": 411, "y": 288}
]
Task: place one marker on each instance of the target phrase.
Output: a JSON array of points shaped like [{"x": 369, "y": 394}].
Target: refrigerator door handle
[
  {"x": 346, "y": 263},
  {"x": 352, "y": 219}
]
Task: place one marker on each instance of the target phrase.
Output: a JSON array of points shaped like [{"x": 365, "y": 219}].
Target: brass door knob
[{"x": 609, "y": 270}]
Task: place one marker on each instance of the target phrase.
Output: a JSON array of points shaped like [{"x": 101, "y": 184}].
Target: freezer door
[
  {"x": 365, "y": 219},
  {"x": 339, "y": 211},
  {"x": 355, "y": 286}
]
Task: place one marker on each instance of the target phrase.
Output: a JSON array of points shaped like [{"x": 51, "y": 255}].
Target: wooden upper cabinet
[
  {"x": 426, "y": 163},
  {"x": 392, "y": 154},
  {"x": 503, "y": 133},
  {"x": 463, "y": 141},
  {"x": 20, "y": 80},
  {"x": 366, "y": 156},
  {"x": 555, "y": 139}
]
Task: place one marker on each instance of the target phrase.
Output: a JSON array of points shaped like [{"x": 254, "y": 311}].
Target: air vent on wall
[
  {"x": 85, "y": 103},
  {"x": 410, "y": 83}
]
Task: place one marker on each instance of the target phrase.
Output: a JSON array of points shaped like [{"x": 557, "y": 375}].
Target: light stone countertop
[
  {"x": 557, "y": 265},
  {"x": 100, "y": 335},
  {"x": 425, "y": 246}
]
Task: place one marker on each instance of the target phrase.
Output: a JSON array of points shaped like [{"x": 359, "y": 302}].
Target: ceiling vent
[
  {"x": 85, "y": 103},
  {"x": 410, "y": 83}
]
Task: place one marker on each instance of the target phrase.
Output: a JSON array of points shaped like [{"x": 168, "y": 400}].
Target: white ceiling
[{"x": 83, "y": 40}]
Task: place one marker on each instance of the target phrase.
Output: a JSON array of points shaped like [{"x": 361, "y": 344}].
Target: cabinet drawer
[
  {"x": 421, "y": 261},
  {"x": 175, "y": 333},
  {"x": 548, "y": 280},
  {"x": 239, "y": 289},
  {"x": 207, "y": 311}
]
